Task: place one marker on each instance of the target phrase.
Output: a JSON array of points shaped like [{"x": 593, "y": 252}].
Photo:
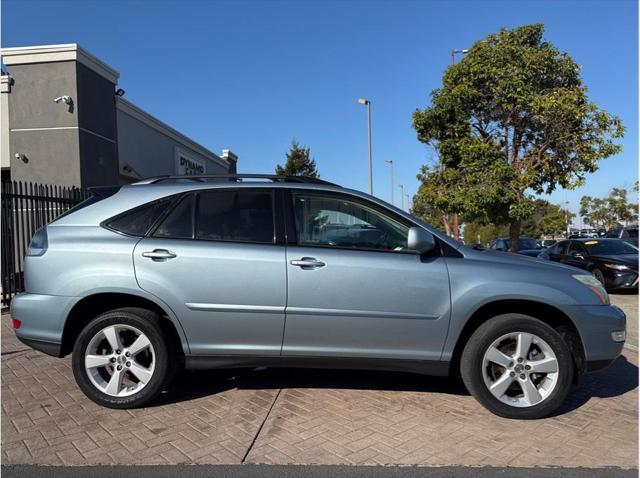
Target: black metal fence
[{"x": 25, "y": 208}]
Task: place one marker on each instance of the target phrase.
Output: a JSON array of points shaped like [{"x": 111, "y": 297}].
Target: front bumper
[
  {"x": 595, "y": 324},
  {"x": 42, "y": 319},
  {"x": 617, "y": 280}
]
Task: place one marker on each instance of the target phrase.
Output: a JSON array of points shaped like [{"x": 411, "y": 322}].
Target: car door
[
  {"x": 353, "y": 289},
  {"x": 215, "y": 261}
]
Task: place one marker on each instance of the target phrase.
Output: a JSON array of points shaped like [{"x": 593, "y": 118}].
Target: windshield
[
  {"x": 527, "y": 243},
  {"x": 610, "y": 247}
]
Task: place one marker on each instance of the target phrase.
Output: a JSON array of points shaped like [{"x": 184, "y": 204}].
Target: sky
[{"x": 252, "y": 75}]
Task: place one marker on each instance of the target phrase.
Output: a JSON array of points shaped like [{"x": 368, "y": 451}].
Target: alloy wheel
[
  {"x": 520, "y": 369},
  {"x": 120, "y": 360}
]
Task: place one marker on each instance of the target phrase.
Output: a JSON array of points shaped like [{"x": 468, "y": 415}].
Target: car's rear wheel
[
  {"x": 121, "y": 358},
  {"x": 517, "y": 366}
]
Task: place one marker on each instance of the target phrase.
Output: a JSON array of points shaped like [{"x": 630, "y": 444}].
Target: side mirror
[
  {"x": 577, "y": 255},
  {"x": 420, "y": 240}
]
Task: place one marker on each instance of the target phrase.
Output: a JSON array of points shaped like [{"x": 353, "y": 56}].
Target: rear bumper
[
  {"x": 595, "y": 324},
  {"x": 42, "y": 319},
  {"x": 50, "y": 348}
]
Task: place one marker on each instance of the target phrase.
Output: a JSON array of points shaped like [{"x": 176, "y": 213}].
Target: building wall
[
  {"x": 5, "y": 89},
  {"x": 44, "y": 132},
  {"x": 148, "y": 147},
  {"x": 98, "y": 133}
]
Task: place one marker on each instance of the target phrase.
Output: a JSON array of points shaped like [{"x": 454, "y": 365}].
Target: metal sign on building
[{"x": 189, "y": 166}]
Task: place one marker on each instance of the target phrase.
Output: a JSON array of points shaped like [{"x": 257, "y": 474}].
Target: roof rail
[{"x": 236, "y": 177}]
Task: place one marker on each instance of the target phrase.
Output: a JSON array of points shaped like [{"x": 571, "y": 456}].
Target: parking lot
[{"x": 312, "y": 417}]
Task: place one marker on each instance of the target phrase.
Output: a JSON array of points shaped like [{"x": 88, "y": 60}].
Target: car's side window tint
[
  {"x": 561, "y": 247},
  {"x": 236, "y": 215},
  {"x": 138, "y": 221},
  {"x": 179, "y": 223},
  {"x": 577, "y": 247},
  {"x": 342, "y": 222}
]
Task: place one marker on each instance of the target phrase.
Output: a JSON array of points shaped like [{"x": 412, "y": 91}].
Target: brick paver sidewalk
[{"x": 307, "y": 416}]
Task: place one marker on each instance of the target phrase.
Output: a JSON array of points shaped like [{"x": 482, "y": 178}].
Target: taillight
[
  {"x": 16, "y": 324},
  {"x": 38, "y": 244}
]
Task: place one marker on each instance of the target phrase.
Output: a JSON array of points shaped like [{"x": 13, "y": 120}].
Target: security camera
[
  {"x": 66, "y": 99},
  {"x": 119, "y": 92}
]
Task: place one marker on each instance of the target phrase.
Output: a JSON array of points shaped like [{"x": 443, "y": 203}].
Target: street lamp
[
  {"x": 401, "y": 186},
  {"x": 408, "y": 202},
  {"x": 454, "y": 52},
  {"x": 390, "y": 163},
  {"x": 367, "y": 103}
]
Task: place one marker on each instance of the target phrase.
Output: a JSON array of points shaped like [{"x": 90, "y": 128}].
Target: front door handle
[
  {"x": 159, "y": 255},
  {"x": 308, "y": 263}
]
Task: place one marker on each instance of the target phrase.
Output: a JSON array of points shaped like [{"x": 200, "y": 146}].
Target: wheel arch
[
  {"x": 548, "y": 314},
  {"x": 93, "y": 305}
]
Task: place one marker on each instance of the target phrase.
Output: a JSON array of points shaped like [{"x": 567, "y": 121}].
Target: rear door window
[
  {"x": 243, "y": 215},
  {"x": 179, "y": 222}
]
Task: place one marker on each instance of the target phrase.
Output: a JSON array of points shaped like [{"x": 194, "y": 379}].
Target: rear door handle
[
  {"x": 159, "y": 255},
  {"x": 308, "y": 263}
]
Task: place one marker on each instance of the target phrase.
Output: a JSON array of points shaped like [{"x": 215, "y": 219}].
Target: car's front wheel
[
  {"x": 517, "y": 366},
  {"x": 598, "y": 275},
  {"x": 121, "y": 358}
]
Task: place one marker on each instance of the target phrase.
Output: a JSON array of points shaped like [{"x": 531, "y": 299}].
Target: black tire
[
  {"x": 145, "y": 321},
  {"x": 598, "y": 275},
  {"x": 472, "y": 360}
]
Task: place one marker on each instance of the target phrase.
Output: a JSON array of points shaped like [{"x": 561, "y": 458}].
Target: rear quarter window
[{"x": 138, "y": 221}]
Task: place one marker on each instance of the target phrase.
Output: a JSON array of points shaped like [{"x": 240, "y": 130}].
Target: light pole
[
  {"x": 408, "y": 202},
  {"x": 390, "y": 163},
  {"x": 566, "y": 212},
  {"x": 367, "y": 103},
  {"x": 454, "y": 52},
  {"x": 401, "y": 186}
]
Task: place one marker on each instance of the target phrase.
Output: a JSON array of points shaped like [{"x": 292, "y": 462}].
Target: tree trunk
[
  {"x": 514, "y": 235},
  {"x": 456, "y": 227},
  {"x": 445, "y": 221}
]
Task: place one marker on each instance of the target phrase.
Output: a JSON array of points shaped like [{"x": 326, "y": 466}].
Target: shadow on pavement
[{"x": 619, "y": 378}]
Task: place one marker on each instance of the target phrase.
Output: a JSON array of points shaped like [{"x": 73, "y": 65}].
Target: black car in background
[
  {"x": 613, "y": 262},
  {"x": 526, "y": 246},
  {"x": 628, "y": 234}
]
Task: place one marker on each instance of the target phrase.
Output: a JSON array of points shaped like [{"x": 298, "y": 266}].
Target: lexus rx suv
[{"x": 201, "y": 272}]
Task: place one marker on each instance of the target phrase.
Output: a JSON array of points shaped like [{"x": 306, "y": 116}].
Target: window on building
[{"x": 236, "y": 215}]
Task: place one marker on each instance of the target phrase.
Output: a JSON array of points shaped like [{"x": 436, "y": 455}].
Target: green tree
[
  {"x": 298, "y": 163},
  {"x": 510, "y": 120},
  {"x": 476, "y": 232},
  {"x": 607, "y": 212},
  {"x": 555, "y": 221}
]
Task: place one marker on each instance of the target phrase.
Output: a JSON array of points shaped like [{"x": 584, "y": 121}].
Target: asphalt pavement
[{"x": 293, "y": 471}]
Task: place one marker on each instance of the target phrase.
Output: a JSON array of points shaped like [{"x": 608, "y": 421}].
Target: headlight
[
  {"x": 595, "y": 286},
  {"x": 617, "y": 267}
]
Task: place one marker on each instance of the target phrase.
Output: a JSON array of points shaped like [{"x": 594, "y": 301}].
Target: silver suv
[{"x": 246, "y": 270}]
